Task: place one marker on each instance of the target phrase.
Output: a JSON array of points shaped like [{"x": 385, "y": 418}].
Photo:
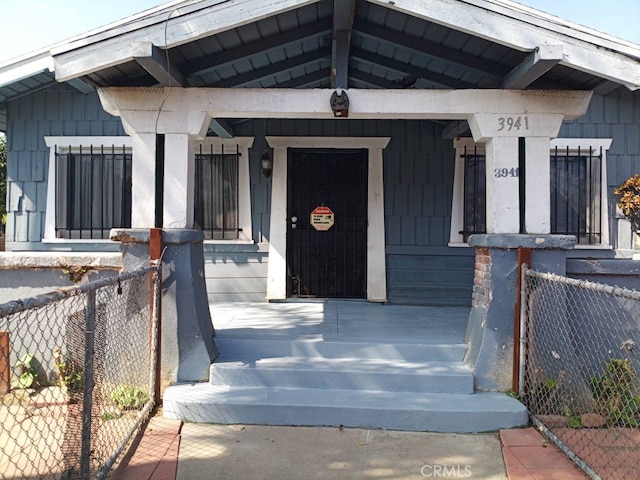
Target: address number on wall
[
  {"x": 506, "y": 172},
  {"x": 513, "y": 123}
]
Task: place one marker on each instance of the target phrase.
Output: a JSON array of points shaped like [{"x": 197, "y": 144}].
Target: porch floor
[{"x": 341, "y": 320}]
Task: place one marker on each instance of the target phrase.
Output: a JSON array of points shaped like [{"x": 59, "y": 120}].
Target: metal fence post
[{"x": 87, "y": 399}]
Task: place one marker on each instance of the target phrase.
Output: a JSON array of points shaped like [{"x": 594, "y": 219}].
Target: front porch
[{"x": 349, "y": 363}]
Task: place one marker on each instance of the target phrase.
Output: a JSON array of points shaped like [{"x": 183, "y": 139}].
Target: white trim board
[{"x": 376, "y": 269}]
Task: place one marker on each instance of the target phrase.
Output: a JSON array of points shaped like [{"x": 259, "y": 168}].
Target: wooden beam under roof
[
  {"x": 420, "y": 45},
  {"x": 539, "y": 62},
  {"x": 280, "y": 40},
  {"x": 253, "y": 76},
  {"x": 406, "y": 68},
  {"x": 157, "y": 64},
  {"x": 221, "y": 128},
  {"x": 344, "y": 12}
]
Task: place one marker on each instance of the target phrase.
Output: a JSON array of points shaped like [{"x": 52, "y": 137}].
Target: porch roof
[{"x": 418, "y": 44}]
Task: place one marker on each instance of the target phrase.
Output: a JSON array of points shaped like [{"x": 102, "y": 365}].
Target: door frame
[{"x": 376, "y": 265}]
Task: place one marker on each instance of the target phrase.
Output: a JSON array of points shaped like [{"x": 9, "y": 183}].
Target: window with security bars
[
  {"x": 216, "y": 194},
  {"x": 93, "y": 191},
  {"x": 575, "y": 194}
]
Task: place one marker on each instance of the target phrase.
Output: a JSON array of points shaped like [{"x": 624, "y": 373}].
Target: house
[{"x": 399, "y": 152}]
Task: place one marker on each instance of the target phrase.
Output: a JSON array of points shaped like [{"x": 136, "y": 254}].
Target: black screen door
[{"x": 327, "y": 261}]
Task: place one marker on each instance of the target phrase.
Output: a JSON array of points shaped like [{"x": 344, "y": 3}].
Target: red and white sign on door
[{"x": 321, "y": 218}]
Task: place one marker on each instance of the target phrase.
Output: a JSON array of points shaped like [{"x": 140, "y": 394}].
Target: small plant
[
  {"x": 629, "y": 202},
  {"x": 128, "y": 397},
  {"x": 512, "y": 394},
  {"x": 574, "y": 421},
  {"x": 28, "y": 374},
  {"x": 70, "y": 375},
  {"x": 74, "y": 272},
  {"x": 616, "y": 395},
  {"x": 106, "y": 416}
]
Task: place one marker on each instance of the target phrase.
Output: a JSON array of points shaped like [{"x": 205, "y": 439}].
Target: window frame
[
  {"x": 64, "y": 143},
  {"x": 216, "y": 146},
  {"x": 572, "y": 145}
]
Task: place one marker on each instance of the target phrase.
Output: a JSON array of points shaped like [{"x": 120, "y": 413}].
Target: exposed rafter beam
[
  {"x": 221, "y": 128},
  {"x": 80, "y": 85},
  {"x": 451, "y": 55},
  {"x": 390, "y": 63},
  {"x": 253, "y": 76},
  {"x": 539, "y": 62},
  {"x": 344, "y": 12},
  {"x": 155, "y": 61},
  {"x": 605, "y": 87},
  {"x": 372, "y": 80},
  {"x": 308, "y": 80},
  {"x": 454, "y": 129},
  {"x": 280, "y": 40}
]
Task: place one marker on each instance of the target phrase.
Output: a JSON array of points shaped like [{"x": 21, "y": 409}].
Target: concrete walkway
[{"x": 170, "y": 450}]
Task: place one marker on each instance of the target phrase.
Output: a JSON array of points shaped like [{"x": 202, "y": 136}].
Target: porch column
[
  {"x": 490, "y": 328},
  {"x": 277, "y": 281},
  {"x": 187, "y": 341},
  {"x": 179, "y": 181}
]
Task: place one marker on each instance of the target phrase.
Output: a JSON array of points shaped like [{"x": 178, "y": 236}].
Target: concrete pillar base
[
  {"x": 490, "y": 328},
  {"x": 188, "y": 347}
]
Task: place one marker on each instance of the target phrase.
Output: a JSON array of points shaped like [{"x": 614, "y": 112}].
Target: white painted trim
[
  {"x": 244, "y": 181},
  {"x": 156, "y": 109},
  {"x": 523, "y": 29},
  {"x": 64, "y": 143},
  {"x": 595, "y": 144},
  {"x": 376, "y": 265},
  {"x": 457, "y": 204},
  {"x": 168, "y": 29}
]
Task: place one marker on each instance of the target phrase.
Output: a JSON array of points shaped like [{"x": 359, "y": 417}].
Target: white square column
[
  {"x": 179, "y": 181},
  {"x": 537, "y": 191},
  {"x": 503, "y": 185},
  {"x": 143, "y": 181}
]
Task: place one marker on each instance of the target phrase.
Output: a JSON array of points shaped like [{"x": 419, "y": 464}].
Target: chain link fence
[
  {"x": 77, "y": 376},
  {"x": 581, "y": 380}
]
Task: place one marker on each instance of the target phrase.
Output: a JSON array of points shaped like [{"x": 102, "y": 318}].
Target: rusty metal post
[
  {"x": 155, "y": 258},
  {"x": 524, "y": 257},
  {"x": 5, "y": 369}
]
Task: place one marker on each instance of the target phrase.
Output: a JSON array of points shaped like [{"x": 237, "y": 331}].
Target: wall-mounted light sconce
[
  {"x": 267, "y": 164},
  {"x": 339, "y": 103}
]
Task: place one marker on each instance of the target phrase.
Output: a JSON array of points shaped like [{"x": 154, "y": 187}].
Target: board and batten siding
[
  {"x": 55, "y": 111},
  {"x": 418, "y": 183},
  {"x": 418, "y": 175}
]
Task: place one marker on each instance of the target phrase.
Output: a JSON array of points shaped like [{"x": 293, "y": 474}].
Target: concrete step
[
  {"x": 409, "y": 411},
  {"x": 344, "y": 374},
  {"x": 253, "y": 348}
]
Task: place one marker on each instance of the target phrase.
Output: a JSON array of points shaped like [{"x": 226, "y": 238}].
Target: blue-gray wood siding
[{"x": 418, "y": 173}]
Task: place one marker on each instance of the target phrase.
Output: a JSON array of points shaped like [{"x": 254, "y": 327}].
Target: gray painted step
[
  {"x": 436, "y": 412},
  {"x": 267, "y": 347},
  {"x": 345, "y": 374}
]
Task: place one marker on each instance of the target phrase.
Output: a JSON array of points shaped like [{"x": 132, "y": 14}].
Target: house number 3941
[
  {"x": 506, "y": 172},
  {"x": 513, "y": 123}
]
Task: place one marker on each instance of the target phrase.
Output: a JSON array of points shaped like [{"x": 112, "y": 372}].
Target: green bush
[{"x": 128, "y": 397}]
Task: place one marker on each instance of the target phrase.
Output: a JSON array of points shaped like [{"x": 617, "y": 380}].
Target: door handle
[{"x": 294, "y": 222}]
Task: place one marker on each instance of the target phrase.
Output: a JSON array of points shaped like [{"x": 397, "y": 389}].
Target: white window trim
[
  {"x": 457, "y": 204},
  {"x": 244, "y": 184},
  {"x": 63, "y": 143},
  {"x": 245, "y": 236},
  {"x": 376, "y": 266}
]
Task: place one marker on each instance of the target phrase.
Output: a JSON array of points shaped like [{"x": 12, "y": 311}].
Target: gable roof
[{"x": 333, "y": 43}]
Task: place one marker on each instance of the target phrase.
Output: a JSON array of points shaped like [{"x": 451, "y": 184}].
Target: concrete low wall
[{"x": 26, "y": 274}]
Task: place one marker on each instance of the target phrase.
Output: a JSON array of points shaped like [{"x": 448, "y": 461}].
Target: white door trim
[{"x": 277, "y": 268}]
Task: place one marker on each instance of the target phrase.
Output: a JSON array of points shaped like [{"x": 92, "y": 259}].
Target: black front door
[{"x": 327, "y": 223}]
